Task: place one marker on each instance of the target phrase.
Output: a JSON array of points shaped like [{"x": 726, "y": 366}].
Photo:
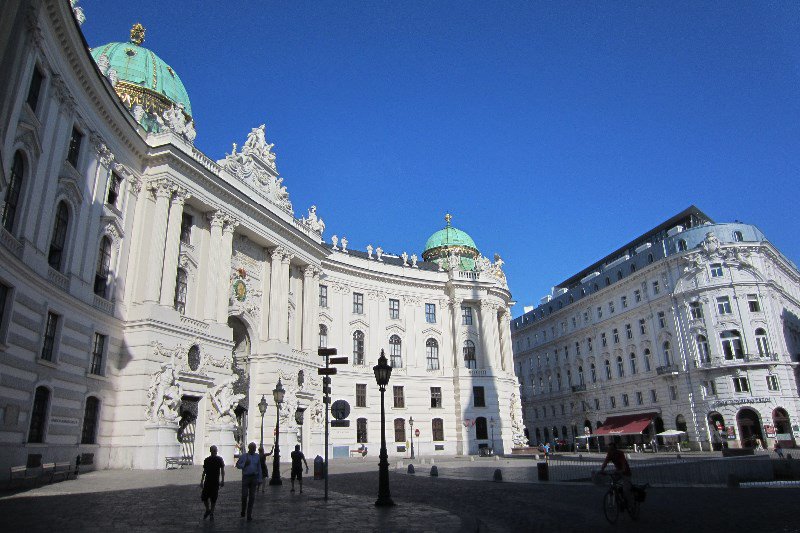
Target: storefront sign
[
  {"x": 739, "y": 401},
  {"x": 783, "y": 437},
  {"x": 769, "y": 430},
  {"x": 731, "y": 431},
  {"x": 64, "y": 421}
]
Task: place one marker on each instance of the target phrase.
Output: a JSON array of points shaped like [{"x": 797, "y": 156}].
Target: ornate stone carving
[
  {"x": 78, "y": 12},
  {"x": 224, "y": 400},
  {"x": 344, "y": 245},
  {"x": 404, "y": 255},
  {"x": 313, "y": 222},
  {"x": 517, "y": 427},
  {"x": 174, "y": 119},
  {"x": 335, "y": 242},
  {"x": 255, "y": 165},
  {"x": 164, "y": 394},
  {"x": 369, "y": 251},
  {"x": 414, "y": 261},
  {"x": 379, "y": 253}
]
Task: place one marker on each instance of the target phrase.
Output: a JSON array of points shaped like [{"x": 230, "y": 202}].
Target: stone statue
[
  {"x": 711, "y": 243},
  {"x": 335, "y": 242},
  {"x": 344, "y": 244},
  {"x": 164, "y": 394},
  {"x": 414, "y": 260},
  {"x": 138, "y": 112},
  {"x": 369, "y": 251},
  {"x": 256, "y": 144},
  {"x": 404, "y": 255},
  {"x": 313, "y": 222},
  {"x": 317, "y": 414},
  {"x": 453, "y": 261},
  {"x": 103, "y": 63},
  {"x": 517, "y": 428},
  {"x": 174, "y": 119},
  {"x": 224, "y": 400},
  {"x": 379, "y": 253}
]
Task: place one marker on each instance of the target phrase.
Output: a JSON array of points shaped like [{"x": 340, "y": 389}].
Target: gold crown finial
[
  {"x": 137, "y": 34},
  {"x": 447, "y": 218}
]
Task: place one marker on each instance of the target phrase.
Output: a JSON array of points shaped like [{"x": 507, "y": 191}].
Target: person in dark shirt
[
  {"x": 264, "y": 470},
  {"x": 297, "y": 468},
  {"x": 212, "y": 479},
  {"x": 617, "y": 457}
]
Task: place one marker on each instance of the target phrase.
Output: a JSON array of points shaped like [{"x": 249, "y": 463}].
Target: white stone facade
[
  {"x": 151, "y": 296},
  {"x": 694, "y": 322}
]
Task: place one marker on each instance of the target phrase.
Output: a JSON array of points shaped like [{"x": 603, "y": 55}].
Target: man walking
[
  {"x": 250, "y": 465},
  {"x": 212, "y": 479},
  {"x": 297, "y": 468}
]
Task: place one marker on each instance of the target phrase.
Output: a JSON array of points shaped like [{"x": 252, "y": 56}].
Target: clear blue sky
[{"x": 554, "y": 132}]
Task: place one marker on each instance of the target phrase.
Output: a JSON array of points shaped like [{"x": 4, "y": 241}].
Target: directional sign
[
  {"x": 340, "y": 409},
  {"x": 338, "y": 360},
  {"x": 324, "y": 352},
  {"x": 326, "y": 399},
  {"x": 340, "y": 423},
  {"x": 326, "y": 371},
  {"x": 326, "y": 380}
]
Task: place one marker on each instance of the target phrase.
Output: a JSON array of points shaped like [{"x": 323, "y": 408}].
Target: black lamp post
[
  {"x": 491, "y": 424},
  {"x": 411, "y": 426},
  {"x": 262, "y": 407},
  {"x": 298, "y": 417},
  {"x": 382, "y": 374},
  {"x": 277, "y": 394}
]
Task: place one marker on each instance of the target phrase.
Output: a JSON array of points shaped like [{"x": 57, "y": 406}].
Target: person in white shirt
[{"x": 250, "y": 465}]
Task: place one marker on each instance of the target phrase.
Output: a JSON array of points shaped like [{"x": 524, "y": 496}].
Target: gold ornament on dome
[{"x": 137, "y": 34}]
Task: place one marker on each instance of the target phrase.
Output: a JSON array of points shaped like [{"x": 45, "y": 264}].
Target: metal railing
[{"x": 667, "y": 369}]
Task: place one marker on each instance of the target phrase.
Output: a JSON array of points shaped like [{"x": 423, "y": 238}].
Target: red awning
[{"x": 625, "y": 424}]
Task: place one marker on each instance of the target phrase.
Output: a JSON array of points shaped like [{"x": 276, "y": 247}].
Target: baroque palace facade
[
  {"x": 692, "y": 327},
  {"x": 150, "y": 296}
]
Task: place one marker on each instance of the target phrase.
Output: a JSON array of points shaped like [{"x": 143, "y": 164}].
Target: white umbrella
[{"x": 671, "y": 433}]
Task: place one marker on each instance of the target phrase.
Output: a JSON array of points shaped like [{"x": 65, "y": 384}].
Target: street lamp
[
  {"x": 262, "y": 407},
  {"x": 382, "y": 374},
  {"x": 411, "y": 426},
  {"x": 491, "y": 424},
  {"x": 277, "y": 395}
]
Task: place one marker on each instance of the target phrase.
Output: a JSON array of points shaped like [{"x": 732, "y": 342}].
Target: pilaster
[
  {"x": 170, "y": 268},
  {"x": 216, "y": 220},
  {"x": 226, "y": 251},
  {"x": 163, "y": 189}
]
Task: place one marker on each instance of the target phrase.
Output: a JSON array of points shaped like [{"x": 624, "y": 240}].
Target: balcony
[
  {"x": 58, "y": 279},
  {"x": 10, "y": 242},
  {"x": 666, "y": 370},
  {"x": 104, "y": 305},
  {"x": 744, "y": 360},
  {"x": 579, "y": 388}
]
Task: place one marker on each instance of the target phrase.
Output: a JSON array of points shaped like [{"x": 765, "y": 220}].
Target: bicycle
[{"x": 614, "y": 500}]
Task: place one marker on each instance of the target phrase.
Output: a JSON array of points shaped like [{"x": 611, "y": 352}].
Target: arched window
[
  {"x": 732, "y": 344},
  {"x": 549, "y": 383},
  {"x": 399, "y": 430},
  {"x": 437, "y": 429},
  {"x": 361, "y": 430},
  {"x": 696, "y": 310},
  {"x": 667, "y": 351},
  {"x": 571, "y": 299},
  {"x": 481, "y": 432},
  {"x": 193, "y": 357},
  {"x": 593, "y": 372},
  {"x": 681, "y": 245},
  {"x": 619, "y": 275},
  {"x": 620, "y": 367},
  {"x": 103, "y": 268},
  {"x": 608, "y": 369},
  {"x": 569, "y": 378},
  {"x": 595, "y": 288},
  {"x": 633, "y": 268},
  {"x": 90, "y": 418},
  {"x": 469, "y": 354},
  {"x": 646, "y": 360},
  {"x": 761, "y": 342},
  {"x": 41, "y": 402},
  {"x": 703, "y": 351},
  {"x": 323, "y": 336},
  {"x": 580, "y": 376},
  {"x": 558, "y": 381},
  {"x": 12, "y": 193},
  {"x": 680, "y": 423},
  {"x": 358, "y": 348},
  {"x": 55, "y": 257},
  {"x": 432, "y": 354},
  {"x": 633, "y": 363},
  {"x": 395, "y": 352},
  {"x": 181, "y": 286},
  {"x": 649, "y": 258},
  {"x": 737, "y": 236},
  {"x": 608, "y": 281}
]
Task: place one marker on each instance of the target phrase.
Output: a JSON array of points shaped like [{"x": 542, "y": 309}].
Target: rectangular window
[
  {"x": 741, "y": 385},
  {"x": 753, "y": 304},
  {"x": 673, "y": 392},
  {"x": 639, "y": 398},
  {"x": 113, "y": 189},
  {"x": 437, "y": 429},
  {"x": 603, "y": 339},
  {"x": 710, "y": 388},
  {"x": 616, "y": 336},
  {"x": 696, "y": 310},
  {"x": 599, "y": 312},
  {"x": 642, "y": 326},
  {"x": 323, "y": 296},
  {"x": 394, "y": 308},
  {"x": 97, "y": 354},
  {"x": 613, "y": 401},
  {"x": 589, "y": 344},
  {"x": 466, "y": 316},
  {"x": 48, "y": 346},
  {"x": 625, "y": 401},
  {"x": 361, "y": 395},
  {"x": 628, "y": 331},
  {"x": 653, "y": 396},
  {"x": 430, "y": 313},
  {"x": 624, "y": 301},
  {"x": 656, "y": 288},
  {"x": 772, "y": 383},
  {"x": 716, "y": 270},
  {"x": 35, "y": 88},
  {"x": 5, "y": 307},
  {"x": 399, "y": 397},
  {"x": 574, "y": 323},
  {"x": 577, "y": 348},
  {"x": 480, "y": 400},
  {"x": 662, "y": 320},
  {"x": 724, "y": 305},
  {"x": 610, "y": 307},
  {"x": 637, "y": 295},
  {"x": 186, "y": 228},
  {"x": 597, "y": 403},
  {"x": 399, "y": 430},
  {"x": 436, "y": 397},
  {"x": 358, "y": 303},
  {"x": 585, "y": 316},
  {"x": 74, "y": 148},
  {"x": 361, "y": 430}
]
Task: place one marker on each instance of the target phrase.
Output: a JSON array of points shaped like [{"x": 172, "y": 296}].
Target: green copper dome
[
  {"x": 143, "y": 77},
  {"x": 449, "y": 241}
]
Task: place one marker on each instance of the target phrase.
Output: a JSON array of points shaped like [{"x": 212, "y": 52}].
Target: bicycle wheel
[
  {"x": 633, "y": 508},
  {"x": 610, "y": 506}
]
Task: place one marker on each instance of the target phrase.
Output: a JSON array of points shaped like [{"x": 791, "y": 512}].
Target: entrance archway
[
  {"x": 187, "y": 424},
  {"x": 716, "y": 427},
  {"x": 783, "y": 429},
  {"x": 749, "y": 428},
  {"x": 241, "y": 367},
  {"x": 680, "y": 423}
]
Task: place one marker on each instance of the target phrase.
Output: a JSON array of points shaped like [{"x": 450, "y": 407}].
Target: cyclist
[{"x": 622, "y": 468}]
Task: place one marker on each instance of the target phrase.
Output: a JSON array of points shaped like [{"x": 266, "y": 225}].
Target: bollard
[
  {"x": 498, "y": 475},
  {"x": 496, "y": 457},
  {"x": 410, "y": 469},
  {"x": 319, "y": 467},
  {"x": 434, "y": 472},
  {"x": 542, "y": 471}
]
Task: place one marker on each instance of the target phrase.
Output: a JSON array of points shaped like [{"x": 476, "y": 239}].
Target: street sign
[
  {"x": 326, "y": 399},
  {"x": 326, "y": 371},
  {"x": 326, "y": 389},
  {"x": 338, "y": 360},
  {"x": 340, "y": 423},
  {"x": 324, "y": 352},
  {"x": 326, "y": 380},
  {"x": 416, "y": 433},
  {"x": 340, "y": 409}
]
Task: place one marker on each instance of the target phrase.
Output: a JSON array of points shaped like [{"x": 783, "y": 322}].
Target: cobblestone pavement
[{"x": 134, "y": 501}]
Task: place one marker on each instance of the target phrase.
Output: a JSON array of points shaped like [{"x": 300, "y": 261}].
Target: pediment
[
  {"x": 432, "y": 331},
  {"x": 28, "y": 136},
  {"x": 326, "y": 316},
  {"x": 395, "y": 328},
  {"x": 359, "y": 323}
]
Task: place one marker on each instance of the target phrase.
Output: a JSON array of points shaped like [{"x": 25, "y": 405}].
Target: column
[
  {"x": 169, "y": 271},
  {"x": 224, "y": 272},
  {"x": 265, "y": 288},
  {"x": 496, "y": 346},
  {"x": 502, "y": 324},
  {"x": 486, "y": 334},
  {"x": 163, "y": 191},
  {"x": 275, "y": 307},
  {"x": 456, "y": 359},
  {"x": 284, "y": 285},
  {"x": 309, "y": 291},
  {"x": 216, "y": 220}
]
